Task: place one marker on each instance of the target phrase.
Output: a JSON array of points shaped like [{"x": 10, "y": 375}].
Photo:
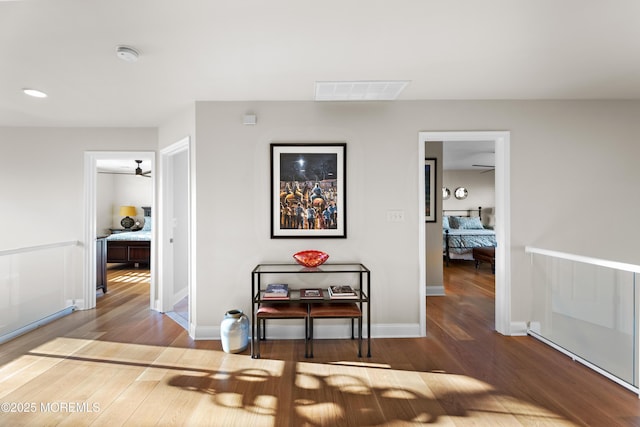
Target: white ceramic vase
[{"x": 234, "y": 331}]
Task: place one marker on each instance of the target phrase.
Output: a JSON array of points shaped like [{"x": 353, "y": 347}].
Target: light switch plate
[{"x": 395, "y": 216}]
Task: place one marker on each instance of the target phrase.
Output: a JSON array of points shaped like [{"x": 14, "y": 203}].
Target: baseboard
[
  {"x": 334, "y": 330},
  {"x": 34, "y": 325},
  {"x": 435, "y": 291},
  {"x": 204, "y": 332},
  {"x": 179, "y": 296},
  {"x": 535, "y": 327},
  {"x": 518, "y": 329},
  {"x": 77, "y": 304}
]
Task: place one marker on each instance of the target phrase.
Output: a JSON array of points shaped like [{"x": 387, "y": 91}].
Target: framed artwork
[
  {"x": 430, "y": 194},
  {"x": 308, "y": 190}
]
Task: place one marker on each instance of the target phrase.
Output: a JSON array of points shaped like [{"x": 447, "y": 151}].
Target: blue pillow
[
  {"x": 470, "y": 223},
  {"x": 445, "y": 222},
  {"x": 147, "y": 224}
]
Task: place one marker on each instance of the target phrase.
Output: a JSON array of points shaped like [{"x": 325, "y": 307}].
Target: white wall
[
  {"x": 481, "y": 188},
  {"x": 131, "y": 191},
  {"x": 115, "y": 190},
  {"x": 568, "y": 160},
  {"x": 42, "y": 190},
  {"x": 433, "y": 239},
  {"x": 572, "y": 164},
  {"x": 233, "y": 210},
  {"x": 104, "y": 203}
]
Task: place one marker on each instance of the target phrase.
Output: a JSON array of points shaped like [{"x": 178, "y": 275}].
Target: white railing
[
  {"x": 36, "y": 283},
  {"x": 588, "y": 309}
]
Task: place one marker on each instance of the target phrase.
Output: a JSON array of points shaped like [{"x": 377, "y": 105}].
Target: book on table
[
  {"x": 311, "y": 293},
  {"x": 342, "y": 291},
  {"x": 276, "y": 291}
]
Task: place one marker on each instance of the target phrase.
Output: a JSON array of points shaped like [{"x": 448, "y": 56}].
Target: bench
[
  {"x": 336, "y": 311},
  {"x": 281, "y": 311},
  {"x": 485, "y": 254}
]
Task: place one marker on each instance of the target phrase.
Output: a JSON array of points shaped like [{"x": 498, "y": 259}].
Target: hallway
[{"x": 123, "y": 364}]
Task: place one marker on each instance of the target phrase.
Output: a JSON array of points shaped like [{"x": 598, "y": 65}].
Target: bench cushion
[
  {"x": 335, "y": 310},
  {"x": 282, "y": 311}
]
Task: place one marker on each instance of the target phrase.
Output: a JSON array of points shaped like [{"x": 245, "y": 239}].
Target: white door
[{"x": 176, "y": 231}]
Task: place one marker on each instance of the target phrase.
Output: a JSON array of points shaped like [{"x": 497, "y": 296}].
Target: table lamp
[{"x": 127, "y": 212}]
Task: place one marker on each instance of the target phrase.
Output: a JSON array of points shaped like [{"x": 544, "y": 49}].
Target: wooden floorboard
[{"x": 123, "y": 364}]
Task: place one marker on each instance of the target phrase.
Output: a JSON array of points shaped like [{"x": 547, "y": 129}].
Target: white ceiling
[
  {"x": 462, "y": 155},
  {"x": 277, "y": 49},
  {"x": 122, "y": 166}
]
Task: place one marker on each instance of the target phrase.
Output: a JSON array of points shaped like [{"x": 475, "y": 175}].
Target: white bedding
[
  {"x": 140, "y": 236},
  {"x": 462, "y": 241}
]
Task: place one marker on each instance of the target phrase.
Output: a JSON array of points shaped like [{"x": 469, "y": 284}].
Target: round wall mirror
[
  {"x": 461, "y": 193},
  {"x": 446, "y": 193}
]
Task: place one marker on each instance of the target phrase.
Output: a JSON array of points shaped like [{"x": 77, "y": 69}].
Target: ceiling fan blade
[
  {"x": 116, "y": 173},
  {"x": 484, "y": 166}
]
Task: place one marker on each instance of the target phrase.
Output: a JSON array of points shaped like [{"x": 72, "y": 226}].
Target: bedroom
[
  {"x": 468, "y": 189},
  {"x": 464, "y": 186},
  {"x": 468, "y": 225},
  {"x": 124, "y": 189}
]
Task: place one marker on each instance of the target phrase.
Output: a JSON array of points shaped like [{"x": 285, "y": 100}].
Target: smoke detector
[{"x": 127, "y": 54}]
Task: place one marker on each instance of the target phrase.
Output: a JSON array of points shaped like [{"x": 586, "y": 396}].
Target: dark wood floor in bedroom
[{"x": 132, "y": 366}]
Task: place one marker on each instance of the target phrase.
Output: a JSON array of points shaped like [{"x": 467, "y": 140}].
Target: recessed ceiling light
[
  {"x": 35, "y": 93},
  {"x": 127, "y": 54},
  {"x": 362, "y": 90}
]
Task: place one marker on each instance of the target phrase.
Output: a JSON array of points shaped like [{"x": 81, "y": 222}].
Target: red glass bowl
[{"x": 310, "y": 258}]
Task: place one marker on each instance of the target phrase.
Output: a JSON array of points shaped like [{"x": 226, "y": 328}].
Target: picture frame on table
[
  {"x": 430, "y": 195},
  {"x": 308, "y": 190}
]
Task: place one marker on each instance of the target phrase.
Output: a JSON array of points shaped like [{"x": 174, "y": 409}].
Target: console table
[{"x": 259, "y": 282}]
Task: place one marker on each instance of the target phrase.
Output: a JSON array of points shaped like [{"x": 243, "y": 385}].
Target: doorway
[
  {"x": 501, "y": 140},
  {"x": 91, "y": 213},
  {"x": 176, "y": 298}
]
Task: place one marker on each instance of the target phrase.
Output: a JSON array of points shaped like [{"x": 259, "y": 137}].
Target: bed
[
  {"x": 462, "y": 231},
  {"x": 131, "y": 246}
]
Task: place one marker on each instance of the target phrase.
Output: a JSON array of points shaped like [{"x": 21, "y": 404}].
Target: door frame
[
  {"x": 90, "y": 231},
  {"x": 165, "y": 301},
  {"x": 501, "y": 141}
]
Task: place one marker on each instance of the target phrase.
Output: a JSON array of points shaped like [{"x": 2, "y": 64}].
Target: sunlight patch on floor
[
  {"x": 128, "y": 277},
  {"x": 253, "y": 392}
]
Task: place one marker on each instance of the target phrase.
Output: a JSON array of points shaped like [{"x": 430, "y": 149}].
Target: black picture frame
[
  {"x": 430, "y": 194},
  {"x": 308, "y": 180}
]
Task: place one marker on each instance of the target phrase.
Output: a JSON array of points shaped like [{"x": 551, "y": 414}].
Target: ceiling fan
[
  {"x": 137, "y": 172},
  {"x": 489, "y": 168}
]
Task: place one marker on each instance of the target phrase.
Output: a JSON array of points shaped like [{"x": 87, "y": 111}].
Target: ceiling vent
[{"x": 372, "y": 90}]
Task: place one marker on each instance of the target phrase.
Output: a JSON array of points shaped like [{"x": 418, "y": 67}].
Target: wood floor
[{"x": 122, "y": 364}]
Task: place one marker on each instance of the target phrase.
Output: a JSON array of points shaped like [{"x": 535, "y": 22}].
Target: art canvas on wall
[
  {"x": 308, "y": 184},
  {"x": 430, "y": 190}
]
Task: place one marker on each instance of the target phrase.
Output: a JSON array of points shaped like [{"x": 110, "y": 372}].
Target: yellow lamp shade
[{"x": 127, "y": 211}]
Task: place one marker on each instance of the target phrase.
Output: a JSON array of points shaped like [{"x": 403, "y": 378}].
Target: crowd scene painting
[
  {"x": 308, "y": 193},
  {"x": 308, "y": 190},
  {"x": 308, "y": 205}
]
